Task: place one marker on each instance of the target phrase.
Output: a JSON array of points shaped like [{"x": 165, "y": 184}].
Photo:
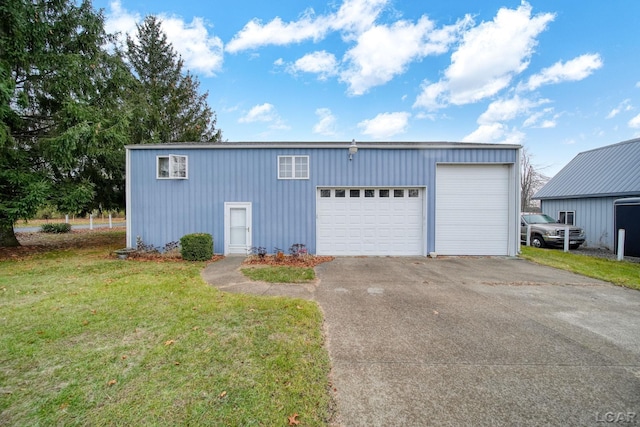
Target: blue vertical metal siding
[
  {"x": 283, "y": 211},
  {"x": 593, "y": 214}
]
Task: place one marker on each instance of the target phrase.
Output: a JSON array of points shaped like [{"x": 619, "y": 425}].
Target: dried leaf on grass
[{"x": 293, "y": 421}]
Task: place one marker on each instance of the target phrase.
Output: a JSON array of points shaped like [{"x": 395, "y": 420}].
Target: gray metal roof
[
  {"x": 337, "y": 144},
  {"x": 609, "y": 171}
]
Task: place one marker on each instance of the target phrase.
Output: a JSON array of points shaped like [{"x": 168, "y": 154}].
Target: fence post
[
  {"x": 621, "y": 244},
  {"x": 566, "y": 239},
  {"x": 90, "y": 221},
  {"x": 110, "y": 223},
  {"x": 528, "y": 235}
]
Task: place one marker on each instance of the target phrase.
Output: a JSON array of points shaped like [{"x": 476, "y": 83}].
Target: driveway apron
[{"x": 478, "y": 341}]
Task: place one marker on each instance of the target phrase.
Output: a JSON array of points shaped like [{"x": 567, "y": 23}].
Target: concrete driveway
[{"x": 476, "y": 341}]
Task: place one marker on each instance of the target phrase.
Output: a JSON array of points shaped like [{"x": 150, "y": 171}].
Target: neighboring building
[
  {"x": 583, "y": 192},
  {"x": 374, "y": 199}
]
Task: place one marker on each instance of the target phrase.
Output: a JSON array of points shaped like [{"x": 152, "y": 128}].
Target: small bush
[
  {"x": 60, "y": 227},
  {"x": 196, "y": 247}
]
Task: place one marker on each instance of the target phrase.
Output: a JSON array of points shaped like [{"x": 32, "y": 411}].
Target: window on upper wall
[
  {"x": 567, "y": 217},
  {"x": 172, "y": 167},
  {"x": 293, "y": 167}
]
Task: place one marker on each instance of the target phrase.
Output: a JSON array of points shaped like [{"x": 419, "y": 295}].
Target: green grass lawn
[
  {"x": 280, "y": 274},
  {"x": 623, "y": 273},
  {"x": 87, "y": 339}
]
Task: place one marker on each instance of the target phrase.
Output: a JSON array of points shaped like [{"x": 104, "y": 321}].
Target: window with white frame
[
  {"x": 172, "y": 167},
  {"x": 293, "y": 167},
  {"x": 567, "y": 217}
]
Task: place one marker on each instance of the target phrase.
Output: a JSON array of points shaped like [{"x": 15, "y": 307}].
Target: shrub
[
  {"x": 59, "y": 227},
  {"x": 196, "y": 247}
]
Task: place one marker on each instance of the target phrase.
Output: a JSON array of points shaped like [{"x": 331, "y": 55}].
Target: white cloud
[
  {"x": 382, "y": 51},
  {"x": 119, "y": 20},
  {"x": 354, "y": 16},
  {"x": 496, "y": 133},
  {"x": 322, "y": 63},
  {"x": 385, "y": 125},
  {"x": 538, "y": 120},
  {"x": 260, "y": 113},
  {"x": 265, "y": 113},
  {"x": 507, "y": 109},
  {"x": 635, "y": 122},
  {"x": 488, "y": 58},
  {"x": 379, "y": 53},
  {"x": 327, "y": 123},
  {"x": 201, "y": 52},
  {"x": 638, "y": 85},
  {"x": 576, "y": 69},
  {"x": 276, "y": 32},
  {"x": 486, "y": 133},
  {"x": 623, "y": 106}
]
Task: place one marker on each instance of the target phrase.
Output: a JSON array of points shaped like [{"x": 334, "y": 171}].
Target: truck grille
[{"x": 572, "y": 233}]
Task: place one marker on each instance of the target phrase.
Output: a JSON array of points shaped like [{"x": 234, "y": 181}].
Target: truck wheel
[{"x": 537, "y": 241}]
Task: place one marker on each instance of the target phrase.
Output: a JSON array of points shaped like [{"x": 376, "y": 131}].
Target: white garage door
[
  {"x": 472, "y": 209},
  {"x": 370, "y": 221}
]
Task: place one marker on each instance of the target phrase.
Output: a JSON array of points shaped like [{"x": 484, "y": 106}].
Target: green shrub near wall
[
  {"x": 196, "y": 247},
  {"x": 59, "y": 227}
]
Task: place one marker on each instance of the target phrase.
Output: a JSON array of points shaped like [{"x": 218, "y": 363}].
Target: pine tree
[
  {"x": 63, "y": 121},
  {"x": 167, "y": 105}
]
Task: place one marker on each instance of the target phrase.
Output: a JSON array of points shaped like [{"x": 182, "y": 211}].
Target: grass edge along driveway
[
  {"x": 623, "y": 273},
  {"x": 87, "y": 339}
]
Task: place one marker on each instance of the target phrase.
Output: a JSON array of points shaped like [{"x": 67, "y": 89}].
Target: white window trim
[
  {"x": 172, "y": 170},
  {"x": 565, "y": 217},
  {"x": 293, "y": 168}
]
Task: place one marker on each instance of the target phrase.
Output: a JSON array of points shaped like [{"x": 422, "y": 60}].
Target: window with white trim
[
  {"x": 172, "y": 167},
  {"x": 567, "y": 217},
  {"x": 293, "y": 167}
]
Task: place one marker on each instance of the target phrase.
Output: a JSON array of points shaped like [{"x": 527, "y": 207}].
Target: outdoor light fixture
[{"x": 352, "y": 149}]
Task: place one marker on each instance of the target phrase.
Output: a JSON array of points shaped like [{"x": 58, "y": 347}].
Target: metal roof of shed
[
  {"x": 320, "y": 144},
  {"x": 610, "y": 171}
]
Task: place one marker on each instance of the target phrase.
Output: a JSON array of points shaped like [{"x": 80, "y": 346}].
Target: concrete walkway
[
  {"x": 471, "y": 341},
  {"x": 225, "y": 275}
]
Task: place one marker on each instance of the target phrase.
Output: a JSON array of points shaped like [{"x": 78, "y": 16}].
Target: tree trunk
[{"x": 7, "y": 235}]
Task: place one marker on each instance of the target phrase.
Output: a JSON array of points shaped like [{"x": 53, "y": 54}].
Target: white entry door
[{"x": 237, "y": 228}]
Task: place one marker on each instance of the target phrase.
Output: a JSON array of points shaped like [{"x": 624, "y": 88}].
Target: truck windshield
[{"x": 539, "y": 219}]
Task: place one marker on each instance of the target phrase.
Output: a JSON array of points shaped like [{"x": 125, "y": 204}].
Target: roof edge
[
  {"x": 589, "y": 196},
  {"x": 339, "y": 144}
]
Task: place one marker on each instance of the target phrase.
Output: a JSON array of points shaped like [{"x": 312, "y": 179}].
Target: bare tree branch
[{"x": 531, "y": 180}]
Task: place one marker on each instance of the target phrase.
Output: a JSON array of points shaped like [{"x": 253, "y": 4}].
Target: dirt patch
[
  {"x": 37, "y": 242},
  {"x": 110, "y": 239},
  {"x": 287, "y": 260}
]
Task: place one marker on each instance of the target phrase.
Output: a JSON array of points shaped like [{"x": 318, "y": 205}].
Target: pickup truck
[{"x": 547, "y": 232}]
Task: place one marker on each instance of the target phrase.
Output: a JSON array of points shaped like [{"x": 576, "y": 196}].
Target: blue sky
[{"x": 558, "y": 77}]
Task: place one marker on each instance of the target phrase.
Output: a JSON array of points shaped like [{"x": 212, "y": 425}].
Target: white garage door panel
[
  {"x": 472, "y": 209},
  {"x": 370, "y": 225}
]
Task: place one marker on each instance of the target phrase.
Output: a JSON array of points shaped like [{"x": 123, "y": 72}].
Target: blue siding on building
[
  {"x": 284, "y": 211},
  {"x": 594, "y": 215}
]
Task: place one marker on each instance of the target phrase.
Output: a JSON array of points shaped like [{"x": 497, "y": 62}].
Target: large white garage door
[
  {"x": 472, "y": 209},
  {"x": 370, "y": 221}
]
